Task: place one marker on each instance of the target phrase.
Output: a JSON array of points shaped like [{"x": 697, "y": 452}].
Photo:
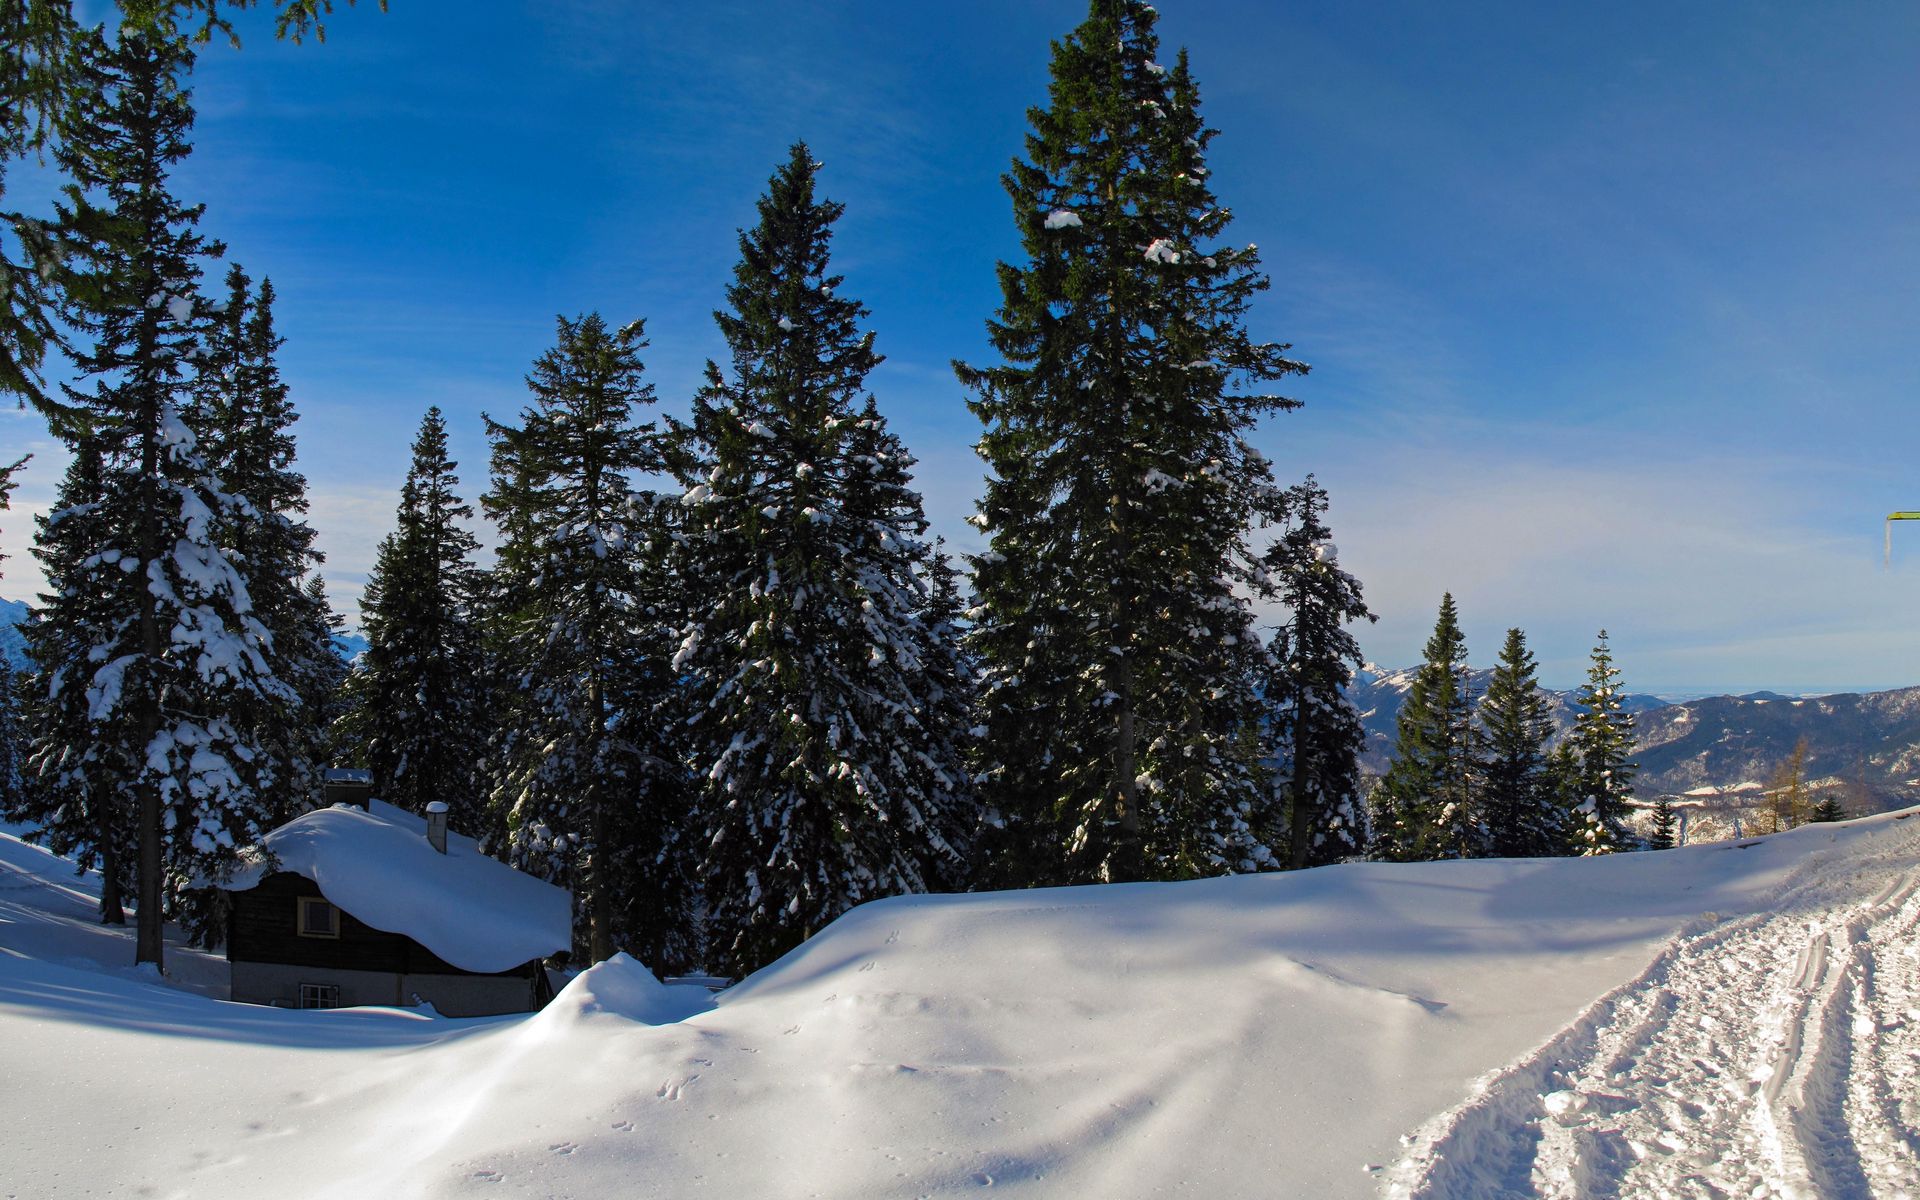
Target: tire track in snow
[
  {"x": 1773, "y": 1055},
  {"x": 1882, "y": 1099}
]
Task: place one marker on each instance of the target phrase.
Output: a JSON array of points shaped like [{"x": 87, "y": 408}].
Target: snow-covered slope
[{"x": 1740, "y": 1013}]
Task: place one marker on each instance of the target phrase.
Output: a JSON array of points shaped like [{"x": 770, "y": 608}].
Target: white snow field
[{"x": 1738, "y": 1019}]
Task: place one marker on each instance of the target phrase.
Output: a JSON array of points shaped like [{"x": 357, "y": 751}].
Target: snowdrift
[{"x": 1441, "y": 1030}]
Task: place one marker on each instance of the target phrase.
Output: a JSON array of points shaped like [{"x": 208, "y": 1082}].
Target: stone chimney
[
  {"x": 348, "y": 785},
  {"x": 437, "y": 825}
]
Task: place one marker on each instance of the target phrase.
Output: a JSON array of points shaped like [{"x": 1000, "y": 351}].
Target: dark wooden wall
[{"x": 263, "y": 922}]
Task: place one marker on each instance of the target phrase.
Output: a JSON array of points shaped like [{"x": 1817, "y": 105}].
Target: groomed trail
[{"x": 1772, "y": 1055}]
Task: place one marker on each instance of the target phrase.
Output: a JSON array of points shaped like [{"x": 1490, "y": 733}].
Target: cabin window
[
  {"x": 317, "y": 919},
  {"x": 319, "y": 995}
]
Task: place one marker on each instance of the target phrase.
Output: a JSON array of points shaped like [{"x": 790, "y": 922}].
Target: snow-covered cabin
[{"x": 374, "y": 905}]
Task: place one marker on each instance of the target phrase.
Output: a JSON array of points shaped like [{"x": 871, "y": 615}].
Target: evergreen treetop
[
  {"x": 418, "y": 696},
  {"x": 1118, "y": 649},
  {"x": 178, "y": 655},
  {"x": 1318, "y": 737},
  {"x": 1426, "y": 806},
  {"x": 589, "y": 788},
  {"x": 243, "y": 416},
  {"x": 1602, "y": 740},
  {"x": 1664, "y": 825},
  {"x": 809, "y": 653},
  {"x": 1524, "y": 819}
]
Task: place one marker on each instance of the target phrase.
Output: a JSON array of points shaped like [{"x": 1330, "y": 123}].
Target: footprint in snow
[
  {"x": 563, "y": 1147},
  {"x": 623, "y": 1126},
  {"x": 488, "y": 1176},
  {"x": 867, "y": 966}
]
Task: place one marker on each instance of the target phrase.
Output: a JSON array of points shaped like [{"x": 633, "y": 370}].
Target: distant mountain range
[
  {"x": 1868, "y": 743},
  {"x": 13, "y": 646},
  {"x": 1378, "y": 694},
  {"x": 1723, "y": 746}
]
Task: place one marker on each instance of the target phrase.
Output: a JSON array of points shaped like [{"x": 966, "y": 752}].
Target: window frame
[
  {"x": 303, "y": 928},
  {"x": 319, "y": 996}
]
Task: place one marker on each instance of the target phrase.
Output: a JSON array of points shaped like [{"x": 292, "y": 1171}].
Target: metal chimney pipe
[
  {"x": 437, "y": 825},
  {"x": 348, "y": 785}
]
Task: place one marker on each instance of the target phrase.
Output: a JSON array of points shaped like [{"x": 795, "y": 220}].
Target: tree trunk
[
  {"x": 599, "y": 902},
  {"x": 1125, "y": 859},
  {"x": 112, "y": 905},
  {"x": 1300, "y": 817},
  {"x": 150, "y": 946}
]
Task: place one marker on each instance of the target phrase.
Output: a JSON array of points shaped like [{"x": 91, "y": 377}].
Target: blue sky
[{"x": 1611, "y": 309}]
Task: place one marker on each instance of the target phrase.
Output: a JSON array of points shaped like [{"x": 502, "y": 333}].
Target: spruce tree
[
  {"x": 1563, "y": 794},
  {"x": 75, "y": 770},
  {"x": 40, "y": 44},
  {"x": 417, "y": 700},
  {"x": 1524, "y": 818},
  {"x": 1427, "y": 805},
  {"x": 177, "y": 651},
  {"x": 323, "y": 690},
  {"x": 592, "y": 792},
  {"x": 951, "y": 695},
  {"x": 810, "y": 656},
  {"x": 11, "y": 751},
  {"x": 244, "y": 418},
  {"x": 1118, "y": 648},
  {"x": 1827, "y": 811},
  {"x": 1664, "y": 822},
  {"x": 1602, "y": 741},
  {"x": 1316, "y": 734}
]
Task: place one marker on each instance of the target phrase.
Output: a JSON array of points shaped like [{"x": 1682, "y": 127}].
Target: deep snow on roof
[{"x": 473, "y": 911}]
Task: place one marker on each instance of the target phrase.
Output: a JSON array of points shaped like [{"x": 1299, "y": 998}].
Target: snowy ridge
[{"x": 1769, "y": 1055}]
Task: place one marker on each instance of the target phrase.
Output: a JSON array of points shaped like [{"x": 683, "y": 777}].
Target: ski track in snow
[{"x": 1773, "y": 1055}]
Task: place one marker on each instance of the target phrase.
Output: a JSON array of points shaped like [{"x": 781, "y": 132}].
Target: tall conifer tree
[
  {"x": 1524, "y": 818},
  {"x": 176, "y": 651},
  {"x": 1317, "y": 735},
  {"x": 1602, "y": 739},
  {"x": 593, "y": 793},
  {"x": 810, "y": 652},
  {"x": 11, "y": 752},
  {"x": 40, "y": 43},
  {"x": 244, "y": 418},
  {"x": 72, "y": 793},
  {"x": 1563, "y": 790},
  {"x": 418, "y": 698},
  {"x": 1666, "y": 823},
  {"x": 1118, "y": 651},
  {"x": 1426, "y": 806}
]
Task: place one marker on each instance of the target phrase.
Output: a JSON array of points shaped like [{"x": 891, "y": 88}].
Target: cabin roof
[{"x": 473, "y": 911}]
